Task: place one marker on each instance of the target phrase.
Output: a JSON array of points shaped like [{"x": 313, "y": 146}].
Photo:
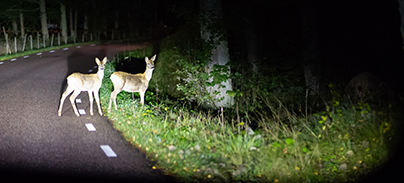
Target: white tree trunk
[
  {"x": 220, "y": 53},
  {"x": 44, "y": 24},
  {"x": 63, "y": 22}
]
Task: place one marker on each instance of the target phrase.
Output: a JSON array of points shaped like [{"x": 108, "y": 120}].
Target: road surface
[{"x": 38, "y": 145}]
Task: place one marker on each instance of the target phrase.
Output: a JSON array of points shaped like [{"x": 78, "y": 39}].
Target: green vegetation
[{"x": 274, "y": 139}]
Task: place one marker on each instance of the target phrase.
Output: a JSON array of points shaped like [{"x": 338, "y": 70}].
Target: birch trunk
[{"x": 220, "y": 53}]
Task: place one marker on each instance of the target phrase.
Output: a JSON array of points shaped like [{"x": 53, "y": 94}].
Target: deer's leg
[
  {"x": 72, "y": 98},
  {"x": 110, "y": 101},
  {"x": 91, "y": 99},
  {"x": 97, "y": 99},
  {"x": 142, "y": 97},
  {"x": 62, "y": 100}
]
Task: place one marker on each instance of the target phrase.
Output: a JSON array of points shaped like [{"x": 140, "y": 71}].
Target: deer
[
  {"x": 132, "y": 82},
  {"x": 91, "y": 83}
]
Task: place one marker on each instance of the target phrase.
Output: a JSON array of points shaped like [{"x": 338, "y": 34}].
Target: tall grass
[{"x": 342, "y": 143}]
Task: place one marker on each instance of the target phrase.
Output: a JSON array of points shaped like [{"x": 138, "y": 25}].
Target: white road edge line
[
  {"x": 108, "y": 151},
  {"x": 90, "y": 127},
  {"x": 82, "y": 111}
]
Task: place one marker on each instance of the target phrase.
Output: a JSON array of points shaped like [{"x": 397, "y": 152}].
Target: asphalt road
[{"x": 38, "y": 145}]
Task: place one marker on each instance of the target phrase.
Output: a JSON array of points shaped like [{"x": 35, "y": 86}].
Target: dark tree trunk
[
  {"x": 401, "y": 10},
  {"x": 63, "y": 22},
  {"x": 311, "y": 55},
  {"x": 44, "y": 23},
  {"x": 22, "y": 25},
  {"x": 253, "y": 55}
]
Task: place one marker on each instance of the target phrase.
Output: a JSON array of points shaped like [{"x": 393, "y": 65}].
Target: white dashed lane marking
[
  {"x": 14, "y": 59},
  {"x": 65, "y": 48},
  {"x": 1, "y": 63},
  {"x": 78, "y": 46},
  {"x": 82, "y": 111},
  {"x": 92, "y": 44},
  {"x": 108, "y": 151},
  {"x": 90, "y": 127},
  {"x": 78, "y": 100},
  {"x": 39, "y": 54},
  {"x": 51, "y": 51},
  {"x": 26, "y": 56}
]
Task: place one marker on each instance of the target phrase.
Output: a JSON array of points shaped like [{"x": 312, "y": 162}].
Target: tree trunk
[
  {"x": 15, "y": 28},
  {"x": 116, "y": 23},
  {"x": 252, "y": 45},
  {"x": 71, "y": 23},
  {"x": 311, "y": 57},
  {"x": 63, "y": 22},
  {"x": 253, "y": 55},
  {"x": 220, "y": 53},
  {"x": 44, "y": 24},
  {"x": 85, "y": 24},
  {"x": 22, "y": 25},
  {"x": 75, "y": 25},
  {"x": 401, "y": 10}
]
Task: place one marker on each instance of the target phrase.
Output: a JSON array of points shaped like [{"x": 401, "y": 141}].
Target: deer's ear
[
  {"x": 97, "y": 61},
  {"x": 146, "y": 59},
  {"x": 154, "y": 57},
  {"x": 104, "y": 60}
]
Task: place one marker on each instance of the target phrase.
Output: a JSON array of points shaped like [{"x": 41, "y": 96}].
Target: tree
[
  {"x": 212, "y": 32},
  {"x": 22, "y": 25},
  {"x": 401, "y": 10},
  {"x": 44, "y": 23},
  {"x": 63, "y": 22},
  {"x": 311, "y": 56}
]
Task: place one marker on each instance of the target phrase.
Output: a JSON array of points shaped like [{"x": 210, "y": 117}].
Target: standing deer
[
  {"x": 78, "y": 82},
  {"x": 131, "y": 82}
]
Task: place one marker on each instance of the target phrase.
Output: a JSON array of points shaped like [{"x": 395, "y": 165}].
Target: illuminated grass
[{"x": 342, "y": 144}]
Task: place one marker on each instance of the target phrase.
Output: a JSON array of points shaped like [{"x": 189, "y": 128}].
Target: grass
[{"x": 342, "y": 143}]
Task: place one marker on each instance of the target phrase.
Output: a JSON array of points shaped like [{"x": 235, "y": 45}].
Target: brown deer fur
[{"x": 132, "y": 82}]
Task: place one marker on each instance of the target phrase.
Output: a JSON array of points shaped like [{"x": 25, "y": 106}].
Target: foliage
[{"x": 341, "y": 143}]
